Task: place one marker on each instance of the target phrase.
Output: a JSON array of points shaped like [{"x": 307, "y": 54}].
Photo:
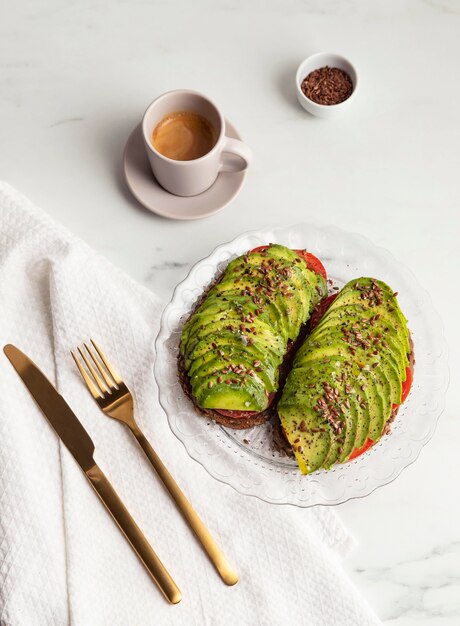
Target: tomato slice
[
  {"x": 359, "y": 451},
  {"x": 313, "y": 263},
  {"x": 407, "y": 384}
]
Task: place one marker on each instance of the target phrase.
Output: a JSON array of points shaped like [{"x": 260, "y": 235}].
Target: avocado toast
[
  {"x": 237, "y": 340},
  {"x": 348, "y": 378}
]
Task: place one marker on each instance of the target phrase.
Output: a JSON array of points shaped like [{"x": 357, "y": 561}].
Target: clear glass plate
[{"x": 245, "y": 459}]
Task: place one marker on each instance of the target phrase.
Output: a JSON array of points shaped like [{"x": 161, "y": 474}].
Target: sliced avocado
[
  {"x": 228, "y": 341},
  {"x": 277, "y": 259},
  {"x": 239, "y": 333},
  {"x": 295, "y": 399},
  {"x": 363, "y": 336},
  {"x": 352, "y": 418},
  {"x": 384, "y": 328},
  {"x": 231, "y": 349},
  {"x": 378, "y": 392},
  {"x": 268, "y": 312},
  {"x": 259, "y": 332},
  {"x": 372, "y": 398},
  {"x": 306, "y": 281},
  {"x": 355, "y": 292},
  {"x": 337, "y": 438},
  {"x": 373, "y": 350},
  {"x": 394, "y": 381},
  {"x": 382, "y": 355},
  {"x": 311, "y": 443},
  {"x": 363, "y": 419},
  {"x": 235, "y": 354},
  {"x": 235, "y": 307},
  {"x": 293, "y": 309},
  {"x": 356, "y": 382},
  {"x": 340, "y": 376},
  {"x": 264, "y": 376},
  {"x": 323, "y": 347},
  {"x": 310, "y": 286},
  {"x": 382, "y": 388},
  {"x": 376, "y": 408},
  {"x": 231, "y": 397}
]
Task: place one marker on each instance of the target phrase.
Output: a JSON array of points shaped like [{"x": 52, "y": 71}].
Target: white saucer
[{"x": 152, "y": 196}]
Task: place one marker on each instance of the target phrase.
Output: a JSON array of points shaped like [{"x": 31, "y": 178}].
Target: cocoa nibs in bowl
[{"x": 327, "y": 85}]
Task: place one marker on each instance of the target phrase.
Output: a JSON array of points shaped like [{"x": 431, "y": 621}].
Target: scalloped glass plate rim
[{"x": 225, "y": 251}]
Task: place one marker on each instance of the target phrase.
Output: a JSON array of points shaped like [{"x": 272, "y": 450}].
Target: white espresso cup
[{"x": 189, "y": 178}]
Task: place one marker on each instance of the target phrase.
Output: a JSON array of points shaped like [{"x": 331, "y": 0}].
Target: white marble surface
[{"x": 74, "y": 80}]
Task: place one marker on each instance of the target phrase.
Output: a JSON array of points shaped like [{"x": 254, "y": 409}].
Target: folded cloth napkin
[{"x": 62, "y": 559}]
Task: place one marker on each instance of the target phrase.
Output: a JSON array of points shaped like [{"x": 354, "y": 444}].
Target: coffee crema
[{"x": 184, "y": 136}]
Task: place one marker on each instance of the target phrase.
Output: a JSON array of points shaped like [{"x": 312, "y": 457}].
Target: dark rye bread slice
[
  {"x": 231, "y": 422},
  {"x": 240, "y": 423},
  {"x": 223, "y": 420}
]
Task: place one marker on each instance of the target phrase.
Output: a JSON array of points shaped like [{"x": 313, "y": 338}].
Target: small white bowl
[{"x": 315, "y": 62}]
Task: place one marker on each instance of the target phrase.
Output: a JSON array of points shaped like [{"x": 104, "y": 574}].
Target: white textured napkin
[{"x": 62, "y": 559}]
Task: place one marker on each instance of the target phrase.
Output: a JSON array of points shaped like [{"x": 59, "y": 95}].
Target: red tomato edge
[{"x": 313, "y": 263}]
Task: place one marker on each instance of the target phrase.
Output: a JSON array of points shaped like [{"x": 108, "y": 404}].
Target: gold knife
[{"x": 71, "y": 432}]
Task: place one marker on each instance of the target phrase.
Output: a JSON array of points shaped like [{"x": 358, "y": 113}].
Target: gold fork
[{"x": 116, "y": 401}]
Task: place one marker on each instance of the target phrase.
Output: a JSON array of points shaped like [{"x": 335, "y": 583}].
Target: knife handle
[{"x": 133, "y": 534}]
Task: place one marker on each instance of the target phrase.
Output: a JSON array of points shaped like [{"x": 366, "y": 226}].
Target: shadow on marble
[
  {"x": 113, "y": 141},
  {"x": 284, "y": 80}
]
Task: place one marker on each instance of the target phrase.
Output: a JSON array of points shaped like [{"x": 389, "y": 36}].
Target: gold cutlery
[
  {"x": 71, "y": 432},
  {"x": 116, "y": 401}
]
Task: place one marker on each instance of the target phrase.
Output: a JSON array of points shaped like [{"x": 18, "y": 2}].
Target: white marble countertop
[{"x": 74, "y": 80}]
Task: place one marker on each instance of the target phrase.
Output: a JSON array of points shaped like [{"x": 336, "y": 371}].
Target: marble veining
[
  {"x": 416, "y": 594},
  {"x": 167, "y": 265},
  {"x": 68, "y": 120}
]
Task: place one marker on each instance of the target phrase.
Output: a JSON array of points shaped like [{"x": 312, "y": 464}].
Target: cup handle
[{"x": 235, "y": 146}]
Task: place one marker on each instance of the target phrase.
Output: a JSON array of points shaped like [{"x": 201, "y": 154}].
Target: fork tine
[
  {"x": 113, "y": 373},
  {"x": 100, "y": 368},
  {"x": 95, "y": 375},
  {"x": 89, "y": 383}
]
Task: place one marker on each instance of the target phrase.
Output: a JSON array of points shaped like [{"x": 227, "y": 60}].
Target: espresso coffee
[{"x": 184, "y": 136}]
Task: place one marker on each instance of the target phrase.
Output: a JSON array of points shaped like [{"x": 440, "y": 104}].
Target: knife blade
[
  {"x": 58, "y": 413},
  {"x": 74, "y": 436}
]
